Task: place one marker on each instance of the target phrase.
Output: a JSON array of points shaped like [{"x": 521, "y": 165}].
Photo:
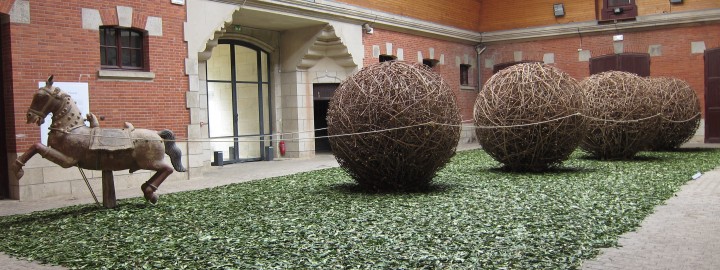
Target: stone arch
[
  {"x": 123, "y": 16},
  {"x": 327, "y": 44},
  {"x": 205, "y": 54},
  {"x": 93, "y": 19},
  {"x": 222, "y": 34}
]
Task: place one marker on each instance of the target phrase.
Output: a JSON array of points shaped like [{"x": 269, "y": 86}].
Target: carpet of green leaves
[{"x": 476, "y": 216}]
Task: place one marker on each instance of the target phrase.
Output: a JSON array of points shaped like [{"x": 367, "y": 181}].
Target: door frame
[
  {"x": 712, "y": 107},
  {"x": 262, "y": 137},
  {"x": 6, "y": 106},
  {"x": 322, "y": 93}
]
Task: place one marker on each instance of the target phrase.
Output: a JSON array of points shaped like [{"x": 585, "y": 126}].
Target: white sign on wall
[{"x": 78, "y": 91}]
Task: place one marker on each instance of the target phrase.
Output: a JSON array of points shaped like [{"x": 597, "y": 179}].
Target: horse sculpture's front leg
[{"x": 47, "y": 153}]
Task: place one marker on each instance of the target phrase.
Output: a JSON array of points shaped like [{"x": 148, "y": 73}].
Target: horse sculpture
[{"x": 72, "y": 143}]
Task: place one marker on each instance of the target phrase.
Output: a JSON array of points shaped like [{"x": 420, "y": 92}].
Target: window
[
  {"x": 430, "y": 62},
  {"x": 638, "y": 63},
  {"x": 239, "y": 101},
  {"x": 464, "y": 72},
  {"x": 387, "y": 57},
  {"x": 618, "y": 10},
  {"x": 122, "y": 48}
]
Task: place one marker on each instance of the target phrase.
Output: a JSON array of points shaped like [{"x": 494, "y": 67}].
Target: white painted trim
[
  {"x": 468, "y": 88},
  {"x": 125, "y": 75}
]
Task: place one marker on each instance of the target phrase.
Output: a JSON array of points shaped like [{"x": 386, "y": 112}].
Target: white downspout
[{"x": 479, "y": 49}]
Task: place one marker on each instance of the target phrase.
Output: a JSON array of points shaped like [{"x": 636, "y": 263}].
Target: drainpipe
[{"x": 479, "y": 49}]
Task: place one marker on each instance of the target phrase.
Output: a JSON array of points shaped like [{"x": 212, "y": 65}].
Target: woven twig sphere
[
  {"x": 623, "y": 115},
  {"x": 543, "y": 104},
  {"x": 403, "y": 98},
  {"x": 680, "y": 112}
]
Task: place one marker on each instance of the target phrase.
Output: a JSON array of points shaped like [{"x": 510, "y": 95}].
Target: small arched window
[{"x": 122, "y": 48}]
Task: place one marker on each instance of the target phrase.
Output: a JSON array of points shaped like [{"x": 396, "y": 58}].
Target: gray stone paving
[{"x": 682, "y": 234}]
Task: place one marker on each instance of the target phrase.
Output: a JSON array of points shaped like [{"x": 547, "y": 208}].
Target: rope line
[
  {"x": 236, "y": 138},
  {"x": 622, "y": 121},
  {"x": 682, "y": 121},
  {"x": 518, "y": 125}
]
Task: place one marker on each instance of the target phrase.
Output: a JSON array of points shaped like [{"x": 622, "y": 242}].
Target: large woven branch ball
[
  {"x": 623, "y": 115},
  {"x": 528, "y": 117},
  {"x": 680, "y": 112},
  {"x": 389, "y": 110}
]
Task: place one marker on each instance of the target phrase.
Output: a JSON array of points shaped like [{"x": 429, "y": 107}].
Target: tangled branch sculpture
[
  {"x": 624, "y": 115},
  {"x": 680, "y": 112},
  {"x": 403, "y": 98},
  {"x": 538, "y": 107}
]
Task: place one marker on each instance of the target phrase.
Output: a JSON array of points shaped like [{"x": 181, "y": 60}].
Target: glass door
[{"x": 238, "y": 101}]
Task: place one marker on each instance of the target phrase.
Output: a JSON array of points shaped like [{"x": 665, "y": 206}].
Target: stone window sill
[
  {"x": 468, "y": 88},
  {"x": 125, "y": 75}
]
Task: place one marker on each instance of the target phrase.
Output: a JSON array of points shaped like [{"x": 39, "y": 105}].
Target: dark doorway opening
[
  {"x": 322, "y": 143},
  {"x": 712, "y": 96},
  {"x": 322, "y": 93},
  {"x": 4, "y": 45}
]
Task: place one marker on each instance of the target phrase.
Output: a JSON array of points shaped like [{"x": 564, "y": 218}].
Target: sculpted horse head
[
  {"x": 46, "y": 100},
  {"x": 72, "y": 143}
]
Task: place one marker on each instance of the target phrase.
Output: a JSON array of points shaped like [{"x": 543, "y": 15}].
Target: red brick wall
[
  {"x": 6, "y": 5},
  {"x": 495, "y": 15},
  {"x": 456, "y": 13},
  {"x": 676, "y": 59},
  {"x": 449, "y": 71},
  {"x": 55, "y": 43}
]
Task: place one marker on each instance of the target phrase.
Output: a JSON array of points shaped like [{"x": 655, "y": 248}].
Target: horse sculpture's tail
[{"x": 172, "y": 150}]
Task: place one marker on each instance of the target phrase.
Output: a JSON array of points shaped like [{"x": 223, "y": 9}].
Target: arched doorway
[
  {"x": 239, "y": 114},
  {"x": 712, "y": 95}
]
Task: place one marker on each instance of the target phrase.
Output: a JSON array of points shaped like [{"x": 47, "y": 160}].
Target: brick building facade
[
  {"x": 61, "y": 38},
  {"x": 199, "y": 53}
]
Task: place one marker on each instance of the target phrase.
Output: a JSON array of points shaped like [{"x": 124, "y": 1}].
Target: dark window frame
[
  {"x": 465, "y": 74},
  {"x": 616, "y": 10},
  {"x": 112, "y": 39}
]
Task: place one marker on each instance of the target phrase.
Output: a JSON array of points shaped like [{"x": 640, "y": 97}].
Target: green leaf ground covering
[{"x": 476, "y": 217}]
